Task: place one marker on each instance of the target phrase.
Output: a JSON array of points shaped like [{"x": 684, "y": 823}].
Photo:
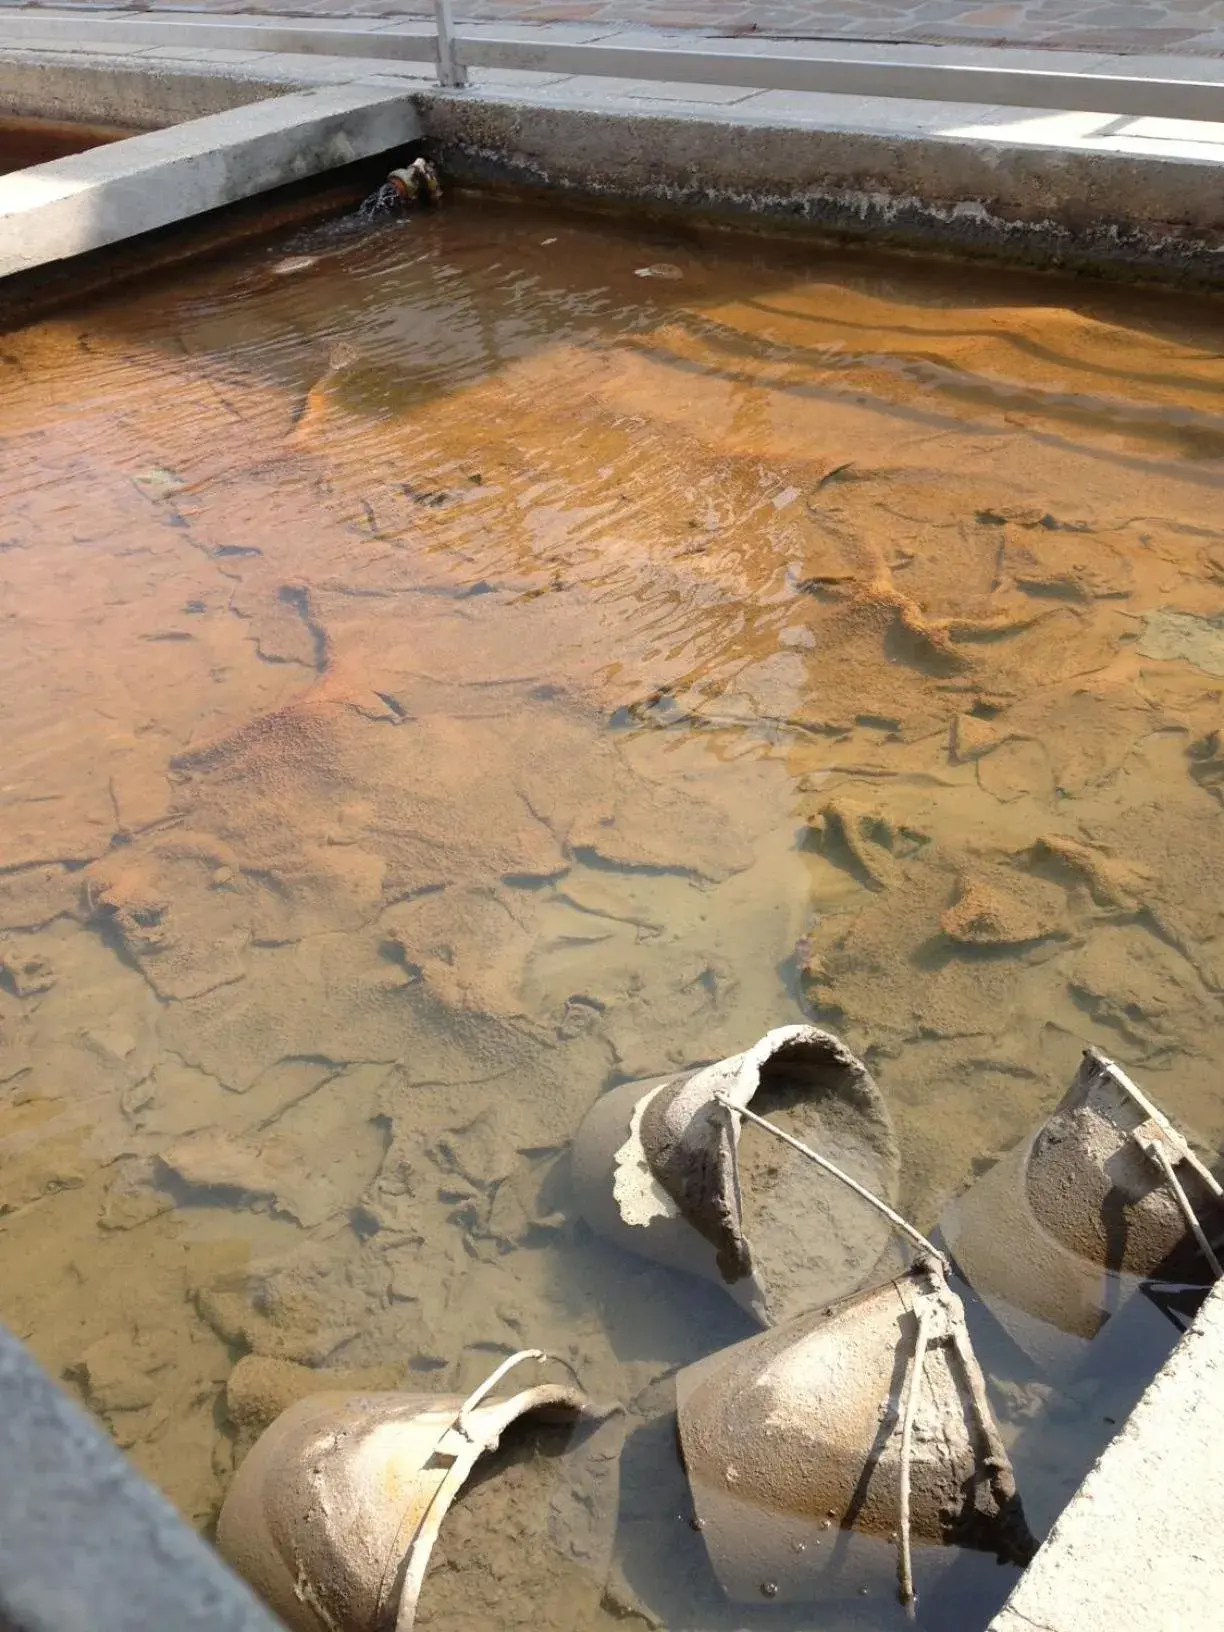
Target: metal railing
[{"x": 935, "y": 75}]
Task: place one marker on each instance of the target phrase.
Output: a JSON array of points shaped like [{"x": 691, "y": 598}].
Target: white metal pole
[{"x": 450, "y": 71}]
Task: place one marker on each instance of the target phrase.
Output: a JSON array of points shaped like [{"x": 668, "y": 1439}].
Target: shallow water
[
  {"x": 447, "y": 671},
  {"x": 37, "y": 141}
]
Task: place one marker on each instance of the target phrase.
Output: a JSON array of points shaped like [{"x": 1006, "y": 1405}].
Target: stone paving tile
[{"x": 1184, "y": 27}]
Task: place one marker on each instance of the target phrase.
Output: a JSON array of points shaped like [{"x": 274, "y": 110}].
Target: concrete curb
[
  {"x": 1138, "y": 1547},
  {"x": 126, "y": 92},
  {"x": 85, "y": 1542},
  {"x": 91, "y": 199}
]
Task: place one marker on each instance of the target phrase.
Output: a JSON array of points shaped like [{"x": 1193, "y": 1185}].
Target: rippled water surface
[{"x": 449, "y": 669}]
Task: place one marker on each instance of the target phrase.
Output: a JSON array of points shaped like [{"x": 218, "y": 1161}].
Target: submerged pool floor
[{"x": 450, "y": 668}]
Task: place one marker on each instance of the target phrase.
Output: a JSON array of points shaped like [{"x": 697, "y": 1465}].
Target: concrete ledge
[
  {"x": 1138, "y": 1548},
  {"x": 138, "y": 94},
  {"x": 110, "y": 193},
  {"x": 84, "y": 1540}
]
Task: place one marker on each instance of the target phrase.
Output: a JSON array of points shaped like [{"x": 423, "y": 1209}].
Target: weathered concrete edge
[
  {"x": 1044, "y": 206},
  {"x": 91, "y": 199},
  {"x": 1138, "y": 1546},
  {"x": 85, "y": 1542},
  {"x": 141, "y": 95}
]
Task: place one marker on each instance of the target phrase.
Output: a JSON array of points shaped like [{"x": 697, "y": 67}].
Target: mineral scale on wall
[{"x": 446, "y": 673}]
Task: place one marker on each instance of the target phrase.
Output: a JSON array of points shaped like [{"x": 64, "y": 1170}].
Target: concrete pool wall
[
  {"x": 212, "y": 137},
  {"x": 1082, "y": 191},
  {"x": 1137, "y": 1548}
]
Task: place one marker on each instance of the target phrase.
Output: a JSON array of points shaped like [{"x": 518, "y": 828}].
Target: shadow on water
[{"x": 25, "y": 142}]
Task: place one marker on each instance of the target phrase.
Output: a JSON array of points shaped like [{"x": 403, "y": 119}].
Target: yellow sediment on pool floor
[{"x": 456, "y": 673}]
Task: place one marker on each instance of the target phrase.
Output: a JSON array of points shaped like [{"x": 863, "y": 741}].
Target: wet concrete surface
[{"x": 451, "y": 668}]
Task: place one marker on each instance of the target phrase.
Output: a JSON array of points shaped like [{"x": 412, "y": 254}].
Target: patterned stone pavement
[{"x": 1179, "y": 27}]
